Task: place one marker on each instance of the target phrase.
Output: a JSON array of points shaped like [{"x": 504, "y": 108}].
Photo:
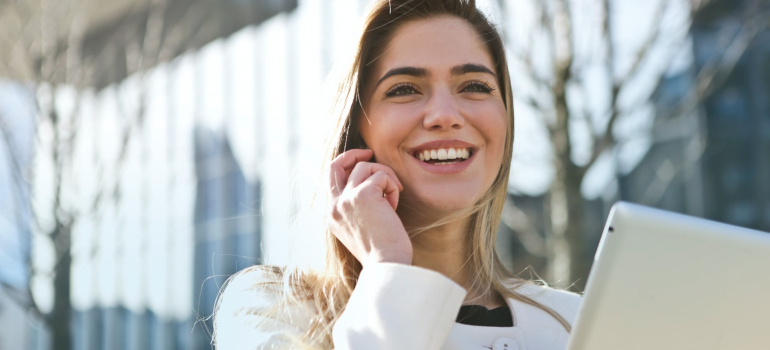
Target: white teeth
[
  {"x": 451, "y": 153},
  {"x": 443, "y": 154}
]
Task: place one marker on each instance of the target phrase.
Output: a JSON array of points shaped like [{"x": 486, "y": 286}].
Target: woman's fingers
[
  {"x": 341, "y": 167},
  {"x": 383, "y": 183},
  {"x": 351, "y": 169},
  {"x": 364, "y": 170},
  {"x": 362, "y": 213}
]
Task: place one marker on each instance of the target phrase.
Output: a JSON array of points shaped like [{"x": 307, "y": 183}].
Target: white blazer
[{"x": 394, "y": 306}]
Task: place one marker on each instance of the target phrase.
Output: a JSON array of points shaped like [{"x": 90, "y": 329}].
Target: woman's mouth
[{"x": 442, "y": 156}]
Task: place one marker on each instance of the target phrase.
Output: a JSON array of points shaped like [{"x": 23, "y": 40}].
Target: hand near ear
[{"x": 362, "y": 209}]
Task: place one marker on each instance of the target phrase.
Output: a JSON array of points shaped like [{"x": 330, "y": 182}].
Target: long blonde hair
[{"x": 329, "y": 290}]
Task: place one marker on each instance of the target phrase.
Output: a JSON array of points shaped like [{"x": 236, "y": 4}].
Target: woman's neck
[{"x": 445, "y": 249}]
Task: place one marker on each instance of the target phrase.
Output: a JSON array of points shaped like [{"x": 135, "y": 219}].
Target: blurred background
[{"x": 151, "y": 148}]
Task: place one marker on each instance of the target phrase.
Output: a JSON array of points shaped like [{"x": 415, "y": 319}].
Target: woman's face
[{"x": 435, "y": 115}]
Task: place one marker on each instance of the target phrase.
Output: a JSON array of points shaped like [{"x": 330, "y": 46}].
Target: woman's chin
[{"x": 437, "y": 205}]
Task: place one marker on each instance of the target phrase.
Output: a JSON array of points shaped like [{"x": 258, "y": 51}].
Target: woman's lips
[
  {"x": 451, "y": 167},
  {"x": 438, "y": 144},
  {"x": 444, "y": 154},
  {"x": 456, "y": 154}
]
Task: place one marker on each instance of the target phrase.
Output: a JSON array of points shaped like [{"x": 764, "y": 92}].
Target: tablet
[{"x": 668, "y": 281}]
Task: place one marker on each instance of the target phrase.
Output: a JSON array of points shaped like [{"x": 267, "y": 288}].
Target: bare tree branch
[
  {"x": 647, "y": 45},
  {"x": 13, "y": 153},
  {"x": 524, "y": 55},
  {"x": 607, "y": 139},
  {"x": 562, "y": 69},
  {"x": 545, "y": 19},
  {"x": 21, "y": 192},
  {"x": 563, "y": 42},
  {"x": 714, "y": 73},
  {"x": 659, "y": 42},
  {"x": 23, "y": 299}
]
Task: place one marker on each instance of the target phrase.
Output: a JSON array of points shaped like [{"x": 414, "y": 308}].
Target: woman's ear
[{"x": 358, "y": 142}]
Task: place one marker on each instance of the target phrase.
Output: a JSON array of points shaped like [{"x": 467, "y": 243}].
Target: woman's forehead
[{"x": 437, "y": 44}]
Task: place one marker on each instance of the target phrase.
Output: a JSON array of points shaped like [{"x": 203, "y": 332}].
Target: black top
[{"x": 477, "y": 315}]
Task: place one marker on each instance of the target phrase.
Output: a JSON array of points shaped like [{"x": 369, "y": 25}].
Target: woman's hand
[{"x": 362, "y": 213}]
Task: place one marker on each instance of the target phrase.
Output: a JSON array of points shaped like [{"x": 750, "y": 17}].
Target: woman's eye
[
  {"x": 401, "y": 90},
  {"x": 478, "y": 86}
]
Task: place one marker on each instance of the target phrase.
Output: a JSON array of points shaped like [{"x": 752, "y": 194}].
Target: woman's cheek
[
  {"x": 496, "y": 129},
  {"x": 494, "y": 125}
]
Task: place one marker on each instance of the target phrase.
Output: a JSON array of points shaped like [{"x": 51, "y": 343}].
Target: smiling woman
[
  {"x": 418, "y": 173},
  {"x": 437, "y": 94}
]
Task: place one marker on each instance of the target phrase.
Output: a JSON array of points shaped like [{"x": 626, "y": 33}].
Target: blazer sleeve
[
  {"x": 246, "y": 316},
  {"x": 396, "y": 306},
  {"x": 393, "y": 306}
]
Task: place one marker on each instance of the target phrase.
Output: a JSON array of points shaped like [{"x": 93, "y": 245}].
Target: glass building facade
[{"x": 715, "y": 160}]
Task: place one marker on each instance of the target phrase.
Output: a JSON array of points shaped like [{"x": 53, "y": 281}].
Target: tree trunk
[
  {"x": 59, "y": 320},
  {"x": 576, "y": 231},
  {"x": 564, "y": 201},
  {"x": 567, "y": 265},
  {"x": 559, "y": 252}
]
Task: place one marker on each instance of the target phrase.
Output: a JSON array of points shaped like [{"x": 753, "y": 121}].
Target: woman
[{"x": 417, "y": 180}]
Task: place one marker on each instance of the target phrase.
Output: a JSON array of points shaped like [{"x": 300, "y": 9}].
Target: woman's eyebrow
[
  {"x": 413, "y": 71},
  {"x": 422, "y": 72},
  {"x": 471, "y": 68}
]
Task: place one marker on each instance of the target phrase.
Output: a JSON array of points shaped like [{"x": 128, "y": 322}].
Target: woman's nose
[{"x": 442, "y": 112}]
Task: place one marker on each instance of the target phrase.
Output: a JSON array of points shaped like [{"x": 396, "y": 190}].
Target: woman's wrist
[{"x": 390, "y": 257}]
